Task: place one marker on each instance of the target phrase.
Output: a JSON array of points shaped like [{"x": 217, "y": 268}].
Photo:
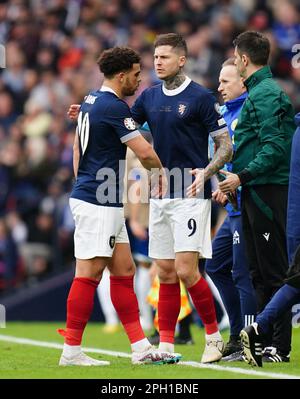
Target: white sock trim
[
  {"x": 166, "y": 347},
  {"x": 140, "y": 346},
  {"x": 71, "y": 350},
  {"x": 216, "y": 336}
]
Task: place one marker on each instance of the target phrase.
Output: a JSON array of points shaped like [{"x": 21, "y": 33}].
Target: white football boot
[
  {"x": 81, "y": 359},
  {"x": 154, "y": 356},
  {"x": 213, "y": 350}
]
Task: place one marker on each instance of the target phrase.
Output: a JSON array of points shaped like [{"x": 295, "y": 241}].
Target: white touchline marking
[
  {"x": 26, "y": 341},
  {"x": 238, "y": 370}
]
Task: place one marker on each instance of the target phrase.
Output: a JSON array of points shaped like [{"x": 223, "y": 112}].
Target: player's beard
[{"x": 129, "y": 90}]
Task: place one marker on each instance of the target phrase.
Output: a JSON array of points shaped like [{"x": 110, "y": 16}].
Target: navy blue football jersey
[
  {"x": 104, "y": 124},
  {"x": 180, "y": 121}
]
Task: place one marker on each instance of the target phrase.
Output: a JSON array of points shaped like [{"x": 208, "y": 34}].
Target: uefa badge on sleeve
[{"x": 129, "y": 124}]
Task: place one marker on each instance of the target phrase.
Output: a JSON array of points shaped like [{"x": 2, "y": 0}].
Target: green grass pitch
[{"x": 20, "y": 361}]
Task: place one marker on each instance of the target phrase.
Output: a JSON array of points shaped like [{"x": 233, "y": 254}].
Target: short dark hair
[
  {"x": 117, "y": 59},
  {"x": 229, "y": 62},
  {"x": 175, "y": 40},
  {"x": 255, "y": 45}
]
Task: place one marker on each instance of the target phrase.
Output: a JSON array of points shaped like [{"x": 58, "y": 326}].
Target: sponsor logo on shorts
[{"x": 112, "y": 241}]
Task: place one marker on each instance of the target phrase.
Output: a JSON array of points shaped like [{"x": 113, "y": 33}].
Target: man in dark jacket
[
  {"x": 261, "y": 165},
  {"x": 228, "y": 267},
  {"x": 289, "y": 294}
]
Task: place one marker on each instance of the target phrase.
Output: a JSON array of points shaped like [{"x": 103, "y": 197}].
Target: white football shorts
[
  {"x": 179, "y": 225},
  {"x": 97, "y": 229}
]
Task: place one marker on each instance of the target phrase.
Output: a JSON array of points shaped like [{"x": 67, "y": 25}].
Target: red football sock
[
  {"x": 204, "y": 304},
  {"x": 168, "y": 311},
  {"x": 125, "y": 302},
  {"x": 79, "y": 308}
]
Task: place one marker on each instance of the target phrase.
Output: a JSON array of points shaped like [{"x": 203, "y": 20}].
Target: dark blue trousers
[{"x": 228, "y": 270}]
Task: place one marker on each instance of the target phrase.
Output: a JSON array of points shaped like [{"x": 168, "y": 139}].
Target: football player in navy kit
[
  {"x": 181, "y": 115},
  {"x": 105, "y": 129}
]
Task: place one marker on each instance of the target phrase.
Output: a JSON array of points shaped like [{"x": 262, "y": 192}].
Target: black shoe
[
  {"x": 252, "y": 345},
  {"x": 272, "y": 355},
  {"x": 183, "y": 341},
  {"x": 233, "y": 345},
  {"x": 234, "y": 357},
  {"x": 154, "y": 339}
]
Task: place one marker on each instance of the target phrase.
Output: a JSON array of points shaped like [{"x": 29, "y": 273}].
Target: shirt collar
[
  {"x": 258, "y": 76},
  {"x": 106, "y": 88},
  {"x": 178, "y": 90},
  {"x": 233, "y": 104}
]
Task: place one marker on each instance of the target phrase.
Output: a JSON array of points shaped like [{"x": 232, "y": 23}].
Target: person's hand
[
  {"x": 158, "y": 184},
  {"x": 230, "y": 184},
  {"x": 73, "y": 112},
  {"x": 198, "y": 184},
  {"x": 219, "y": 197},
  {"x": 138, "y": 230}
]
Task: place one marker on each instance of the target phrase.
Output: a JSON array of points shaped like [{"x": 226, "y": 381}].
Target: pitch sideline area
[{"x": 254, "y": 373}]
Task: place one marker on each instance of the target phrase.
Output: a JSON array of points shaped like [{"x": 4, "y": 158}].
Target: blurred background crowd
[{"x": 51, "y": 49}]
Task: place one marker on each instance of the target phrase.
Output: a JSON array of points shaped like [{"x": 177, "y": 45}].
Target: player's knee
[
  {"x": 187, "y": 274},
  {"x": 167, "y": 276},
  {"x": 127, "y": 269},
  {"x": 183, "y": 275}
]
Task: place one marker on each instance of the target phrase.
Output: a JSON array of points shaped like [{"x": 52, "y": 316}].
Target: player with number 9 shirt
[{"x": 181, "y": 115}]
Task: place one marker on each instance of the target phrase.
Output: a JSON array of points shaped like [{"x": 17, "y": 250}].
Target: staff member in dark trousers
[
  {"x": 289, "y": 294},
  {"x": 228, "y": 267},
  {"x": 261, "y": 165}
]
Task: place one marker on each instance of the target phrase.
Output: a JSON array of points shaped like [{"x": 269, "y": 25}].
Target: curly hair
[{"x": 117, "y": 59}]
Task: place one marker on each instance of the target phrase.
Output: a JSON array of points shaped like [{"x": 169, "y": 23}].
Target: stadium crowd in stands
[{"x": 51, "y": 47}]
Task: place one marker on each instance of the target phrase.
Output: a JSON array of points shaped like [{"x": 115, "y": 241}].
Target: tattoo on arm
[{"x": 222, "y": 155}]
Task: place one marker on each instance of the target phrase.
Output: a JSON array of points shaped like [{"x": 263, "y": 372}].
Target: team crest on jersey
[
  {"x": 129, "y": 124},
  {"x": 112, "y": 241},
  {"x": 182, "y": 108}
]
